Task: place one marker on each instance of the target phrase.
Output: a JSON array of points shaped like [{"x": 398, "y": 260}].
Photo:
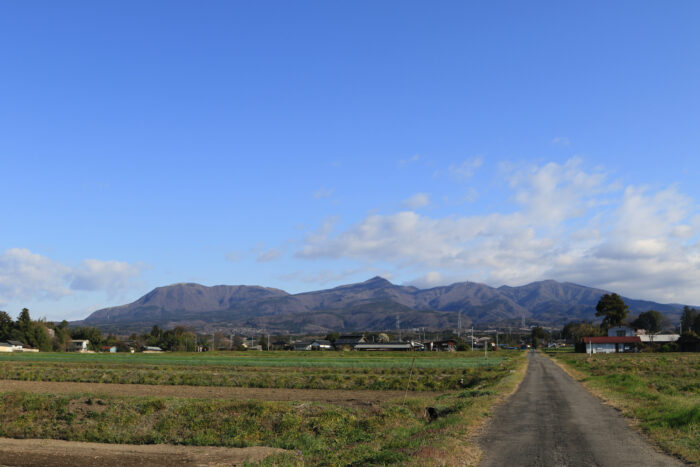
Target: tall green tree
[
  {"x": 688, "y": 318},
  {"x": 651, "y": 321},
  {"x": 6, "y": 326},
  {"x": 613, "y": 309}
]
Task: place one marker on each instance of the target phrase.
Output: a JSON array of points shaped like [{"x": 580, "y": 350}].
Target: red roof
[{"x": 613, "y": 340}]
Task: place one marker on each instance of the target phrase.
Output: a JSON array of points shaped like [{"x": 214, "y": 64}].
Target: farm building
[
  {"x": 152, "y": 349},
  {"x": 302, "y": 345},
  {"x": 388, "y": 346},
  {"x": 109, "y": 348},
  {"x": 348, "y": 341},
  {"x": 611, "y": 344},
  {"x": 16, "y": 346},
  {"x": 7, "y": 347},
  {"x": 78, "y": 345},
  {"x": 321, "y": 344},
  {"x": 659, "y": 338},
  {"x": 443, "y": 346}
]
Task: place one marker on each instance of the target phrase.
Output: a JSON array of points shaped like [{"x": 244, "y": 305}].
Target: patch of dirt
[
  {"x": 55, "y": 453},
  {"x": 351, "y": 398},
  {"x": 86, "y": 405}
]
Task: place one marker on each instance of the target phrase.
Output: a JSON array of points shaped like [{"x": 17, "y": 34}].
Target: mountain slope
[{"x": 371, "y": 305}]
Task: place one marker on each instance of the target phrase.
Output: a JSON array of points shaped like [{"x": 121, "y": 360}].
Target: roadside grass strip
[{"x": 661, "y": 391}]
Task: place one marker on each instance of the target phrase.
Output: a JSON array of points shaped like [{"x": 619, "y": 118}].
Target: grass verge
[{"x": 660, "y": 392}]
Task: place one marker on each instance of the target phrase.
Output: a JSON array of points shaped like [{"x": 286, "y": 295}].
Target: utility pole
[
  {"x": 472, "y": 338},
  {"x": 459, "y": 324},
  {"x": 486, "y": 347},
  {"x": 398, "y": 326},
  {"x": 268, "y": 341}
]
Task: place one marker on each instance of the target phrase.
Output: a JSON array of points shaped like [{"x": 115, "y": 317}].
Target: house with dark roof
[
  {"x": 348, "y": 341},
  {"x": 302, "y": 345}
]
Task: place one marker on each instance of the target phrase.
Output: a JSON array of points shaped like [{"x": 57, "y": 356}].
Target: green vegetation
[
  {"x": 317, "y": 370},
  {"x": 661, "y": 391},
  {"x": 613, "y": 309},
  {"x": 390, "y": 433}
]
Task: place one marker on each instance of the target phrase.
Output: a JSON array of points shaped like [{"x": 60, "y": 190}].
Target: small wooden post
[{"x": 409, "y": 381}]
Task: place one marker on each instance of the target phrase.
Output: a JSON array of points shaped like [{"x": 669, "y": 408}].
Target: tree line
[
  {"x": 615, "y": 311},
  {"x": 48, "y": 336}
]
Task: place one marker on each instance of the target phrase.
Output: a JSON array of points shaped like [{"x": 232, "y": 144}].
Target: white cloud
[
  {"x": 269, "y": 255},
  {"x": 109, "y": 276},
  {"x": 466, "y": 169},
  {"x": 419, "y": 200},
  {"x": 561, "y": 140},
  {"x": 27, "y": 276},
  {"x": 570, "y": 224}
]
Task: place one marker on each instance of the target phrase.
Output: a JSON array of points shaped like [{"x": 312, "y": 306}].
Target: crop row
[{"x": 422, "y": 379}]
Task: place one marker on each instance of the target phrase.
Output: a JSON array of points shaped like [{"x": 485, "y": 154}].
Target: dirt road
[
  {"x": 353, "y": 398},
  {"x": 54, "y": 453},
  {"x": 552, "y": 420}
]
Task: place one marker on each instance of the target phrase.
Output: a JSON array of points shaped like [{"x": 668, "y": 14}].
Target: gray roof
[{"x": 389, "y": 346}]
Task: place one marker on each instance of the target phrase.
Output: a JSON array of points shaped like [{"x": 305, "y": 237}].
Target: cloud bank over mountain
[{"x": 570, "y": 223}]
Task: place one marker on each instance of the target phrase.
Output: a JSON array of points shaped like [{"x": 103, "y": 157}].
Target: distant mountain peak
[
  {"x": 378, "y": 280},
  {"x": 369, "y": 305}
]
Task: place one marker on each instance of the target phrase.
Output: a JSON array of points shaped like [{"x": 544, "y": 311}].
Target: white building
[{"x": 78, "y": 345}]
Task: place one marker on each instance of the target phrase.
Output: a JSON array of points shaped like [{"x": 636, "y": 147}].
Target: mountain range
[{"x": 373, "y": 305}]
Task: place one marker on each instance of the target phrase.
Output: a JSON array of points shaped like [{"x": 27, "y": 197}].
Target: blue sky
[{"x": 303, "y": 145}]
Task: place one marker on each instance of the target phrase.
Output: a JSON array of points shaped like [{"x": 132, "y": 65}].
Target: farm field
[
  {"x": 322, "y": 408},
  {"x": 311, "y": 370},
  {"x": 660, "y": 391}
]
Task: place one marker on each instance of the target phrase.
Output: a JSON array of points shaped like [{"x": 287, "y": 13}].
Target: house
[
  {"x": 17, "y": 346},
  {"x": 109, "y": 348},
  {"x": 6, "y": 347},
  {"x": 445, "y": 346},
  {"x": 611, "y": 344},
  {"x": 152, "y": 349},
  {"x": 621, "y": 331},
  {"x": 348, "y": 341},
  {"x": 321, "y": 344},
  {"x": 302, "y": 345}
]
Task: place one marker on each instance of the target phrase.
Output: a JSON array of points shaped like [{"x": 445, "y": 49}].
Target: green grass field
[
  {"x": 311, "y": 370},
  {"x": 387, "y": 433},
  {"x": 275, "y": 359},
  {"x": 661, "y": 391}
]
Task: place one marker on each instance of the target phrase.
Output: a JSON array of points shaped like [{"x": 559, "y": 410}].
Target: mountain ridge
[{"x": 373, "y": 304}]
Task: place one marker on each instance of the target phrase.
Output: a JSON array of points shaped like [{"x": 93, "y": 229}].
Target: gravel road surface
[{"x": 552, "y": 420}]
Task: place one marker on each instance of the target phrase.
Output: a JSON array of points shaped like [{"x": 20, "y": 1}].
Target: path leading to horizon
[{"x": 551, "y": 420}]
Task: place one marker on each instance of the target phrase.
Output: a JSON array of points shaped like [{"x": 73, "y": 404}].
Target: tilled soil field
[
  {"x": 56, "y": 453},
  {"x": 354, "y": 398}
]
